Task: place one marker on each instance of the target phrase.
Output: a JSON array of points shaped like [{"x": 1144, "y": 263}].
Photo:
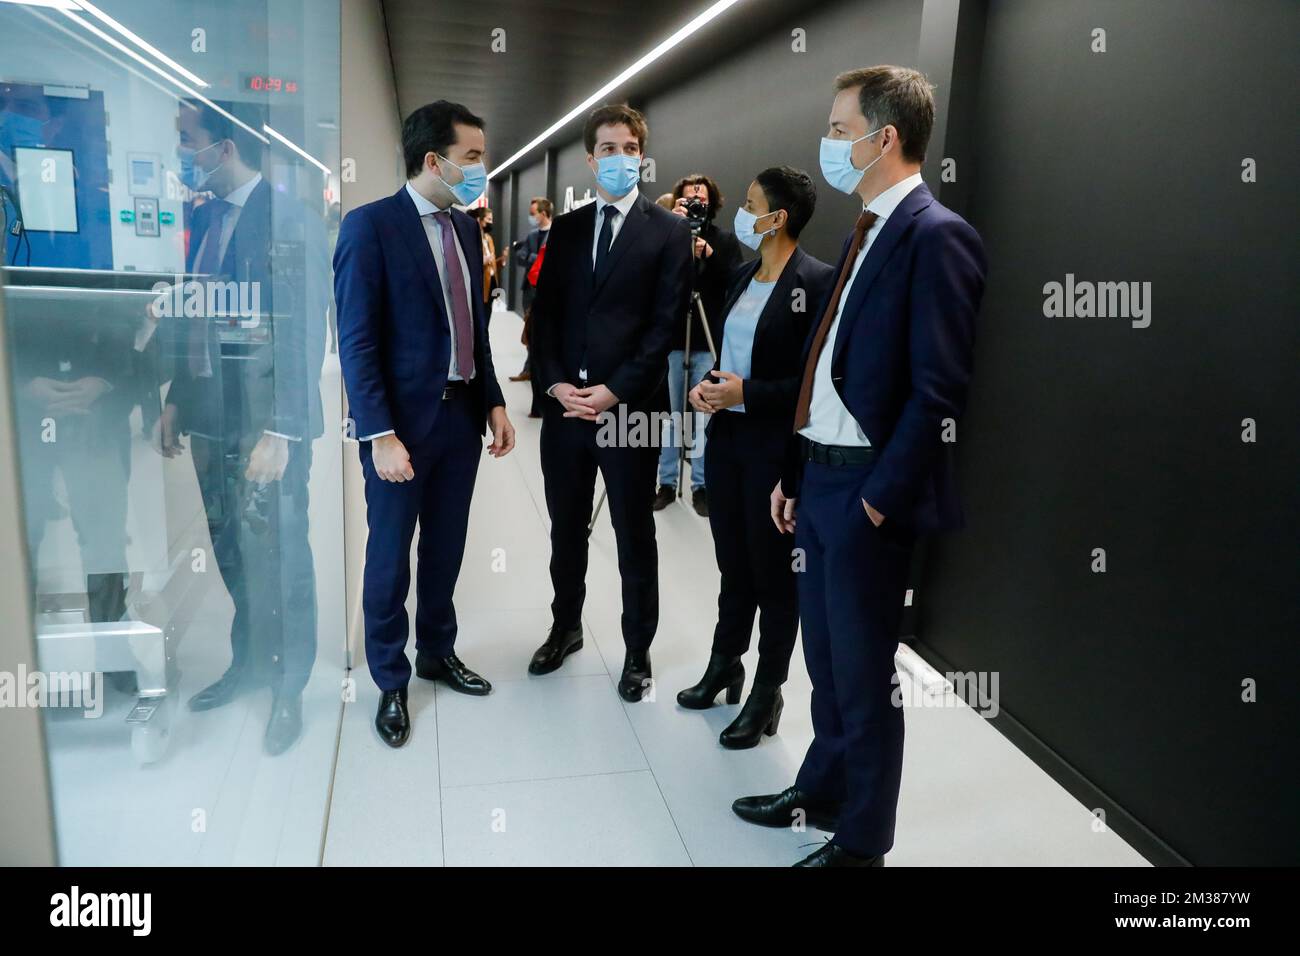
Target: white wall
[{"x": 371, "y": 138}]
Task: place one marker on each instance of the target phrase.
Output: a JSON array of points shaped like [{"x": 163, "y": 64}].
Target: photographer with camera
[{"x": 717, "y": 252}]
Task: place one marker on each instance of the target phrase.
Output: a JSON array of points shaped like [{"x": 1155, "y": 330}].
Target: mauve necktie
[
  {"x": 860, "y": 228},
  {"x": 200, "y": 361},
  {"x": 460, "y": 317}
]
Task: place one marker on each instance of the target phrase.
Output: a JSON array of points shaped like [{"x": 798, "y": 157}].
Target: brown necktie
[{"x": 860, "y": 228}]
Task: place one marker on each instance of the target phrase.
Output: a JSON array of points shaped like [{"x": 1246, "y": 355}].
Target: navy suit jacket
[
  {"x": 621, "y": 323},
  {"x": 528, "y": 251},
  {"x": 902, "y": 359},
  {"x": 280, "y": 385},
  {"x": 394, "y": 331}
]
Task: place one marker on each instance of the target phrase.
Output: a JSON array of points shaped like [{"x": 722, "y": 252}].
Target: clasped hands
[
  {"x": 584, "y": 403},
  {"x": 709, "y": 397}
]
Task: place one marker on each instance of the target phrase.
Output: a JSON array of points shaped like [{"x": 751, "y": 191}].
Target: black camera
[{"x": 697, "y": 213}]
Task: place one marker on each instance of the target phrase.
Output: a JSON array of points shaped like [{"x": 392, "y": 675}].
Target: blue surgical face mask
[
  {"x": 744, "y": 224},
  {"x": 837, "y": 162},
  {"x": 617, "y": 174},
  {"x": 534, "y": 221},
  {"x": 473, "y": 181},
  {"x": 192, "y": 175}
]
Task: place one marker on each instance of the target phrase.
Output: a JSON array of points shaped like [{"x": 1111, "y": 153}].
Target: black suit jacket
[
  {"x": 712, "y": 277},
  {"x": 620, "y": 325},
  {"x": 776, "y": 368}
]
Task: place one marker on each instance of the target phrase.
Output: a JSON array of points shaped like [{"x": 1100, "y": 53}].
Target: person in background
[
  {"x": 417, "y": 365},
  {"x": 666, "y": 200},
  {"x": 885, "y": 374},
  {"x": 492, "y": 263},
  {"x": 751, "y": 396},
  {"x": 716, "y": 253},
  {"x": 540, "y": 212},
  {"x": 616, "y": 278}
]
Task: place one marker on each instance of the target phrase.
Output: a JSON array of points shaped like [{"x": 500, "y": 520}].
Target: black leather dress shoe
[
  {"x": 723, "y": 673},
  {"x": 393, "y": 720},
  {"x": 700, "y": 502},
  {"x": 559, "y": 645},
  {"x": 220, "y": 692},
  {"x": 664, "y": 497},
  {"x": 636, "y": 676},
  {"x": 451, "y": 670},
  {"x": 285, "y": 725},
  {"x": 779, "y": 809},
  {"x": 760, "y": 715},
  {"x": 831, "y": 855}
]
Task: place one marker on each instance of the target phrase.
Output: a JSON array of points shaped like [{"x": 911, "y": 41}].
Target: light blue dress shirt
[{"x": 738, "y": 332}]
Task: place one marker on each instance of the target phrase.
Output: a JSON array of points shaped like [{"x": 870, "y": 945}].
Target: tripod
[{"x": 688, "y": 414}]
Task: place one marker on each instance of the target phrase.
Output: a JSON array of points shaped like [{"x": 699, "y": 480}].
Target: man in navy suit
[
  {"x": 251, "y": 415},
  {"x": 614, "y": 285},
  {"x": 886, "y": 370},
  {"x": 418, "y": 370}
]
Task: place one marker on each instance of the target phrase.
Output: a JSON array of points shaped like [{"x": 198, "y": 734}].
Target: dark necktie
[
  {"x": 860, "y": 228},
  {"x": 461, "y": 321},
  {"x": 200, "y": 361},
  {"x": 604, "y": 242}
]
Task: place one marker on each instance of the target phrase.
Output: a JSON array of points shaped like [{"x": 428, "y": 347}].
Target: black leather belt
[
  {"x": 452, "y": 389},
  {"x": 837, "y": 454}
]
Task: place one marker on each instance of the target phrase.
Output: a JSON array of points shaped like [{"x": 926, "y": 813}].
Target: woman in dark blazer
[{"x": 770, "y": 307}]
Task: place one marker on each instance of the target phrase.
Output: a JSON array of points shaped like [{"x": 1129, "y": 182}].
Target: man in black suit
[
  {"x": 614, "y": 284},
  {"x": 885, "y": 374},
  {"x": 251, "y": 417}
]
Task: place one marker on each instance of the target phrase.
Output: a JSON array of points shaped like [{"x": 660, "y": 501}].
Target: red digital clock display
[{"x": 260, "y": 83}]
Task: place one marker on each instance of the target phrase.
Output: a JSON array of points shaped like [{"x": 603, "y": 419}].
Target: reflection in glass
[{"x": 167, "y": 309}]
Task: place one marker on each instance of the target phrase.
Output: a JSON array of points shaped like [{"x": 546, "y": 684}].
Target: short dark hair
[
  {"x": 480, "y": 212},
  {"x": 895, "y": 96},
  {"x": 431, "y": 129},
  {"x": 615, "y": 114},
  {"x": 544, "y": 206},
  {"x": 221, "y": 127},
  {"x": 792, "y": 190},
  {"x": 699, "y": 179}
]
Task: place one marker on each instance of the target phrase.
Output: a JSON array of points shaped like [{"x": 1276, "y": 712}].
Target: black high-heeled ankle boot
[
  {"x": 722, "y": 672},
  {"x": 760, "y": 715}
]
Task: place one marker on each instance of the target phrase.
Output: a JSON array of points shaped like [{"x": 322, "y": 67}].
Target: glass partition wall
[{"x": 169, "y": 192}]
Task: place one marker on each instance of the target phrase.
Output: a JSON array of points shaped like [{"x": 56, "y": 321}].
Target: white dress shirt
[
  {"x": 433, "y": 233},
  {"x": 623, "y": 205},
  {"x": 829, "y": 422}
]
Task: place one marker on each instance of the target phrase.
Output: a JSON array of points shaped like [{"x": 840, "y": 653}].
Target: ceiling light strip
[
  {"x": 165, "y": 75},
  {"x": 714, "y": 11},
  {"x": 297, "y": 149},
  {"x": 103, "y": 17}
]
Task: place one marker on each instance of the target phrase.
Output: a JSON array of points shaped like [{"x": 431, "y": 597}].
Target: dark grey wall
[
  {"x": 1088, "y": 433},
  {"x": 766, "y": 106}
]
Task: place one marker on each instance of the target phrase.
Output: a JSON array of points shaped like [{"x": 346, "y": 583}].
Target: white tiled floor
[{"x": 559, "y": 771}]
